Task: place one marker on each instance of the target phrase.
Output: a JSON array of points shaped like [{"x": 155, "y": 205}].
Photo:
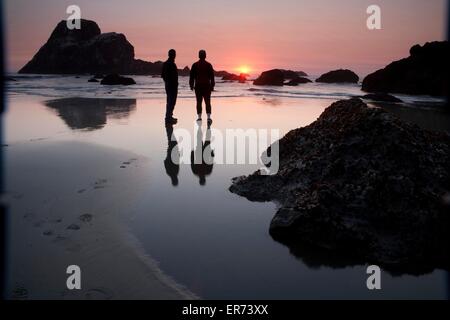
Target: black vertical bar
[
  {"x": 2, "y": 207},
  {"x": 448, "y": 110}
]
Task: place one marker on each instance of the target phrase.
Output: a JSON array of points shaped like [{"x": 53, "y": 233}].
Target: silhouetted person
[
  {"x": 202, "y": 158},
  {"x": 170, "y": 76},
  {"x": 171, "y": 163},
  {"x": 202, "y": 80}
]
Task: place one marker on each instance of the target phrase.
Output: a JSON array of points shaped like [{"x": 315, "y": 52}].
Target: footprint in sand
[
  {"x": 48, "y": 233},
  {"x": 38, "y": 139},
  {"x": 126, "y": 163},
  {"x": 19, "y": 292},
  {"x": 86, "y": 217},
  {"x": 100, "y": 184},
  {"x": 99, "y": 294},
  {"x": 73, "y": 226}
]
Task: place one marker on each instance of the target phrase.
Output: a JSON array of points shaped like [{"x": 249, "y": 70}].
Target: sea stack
[
  {"x": 339, "y": 76},
  {"x": 87, "y": 51}
]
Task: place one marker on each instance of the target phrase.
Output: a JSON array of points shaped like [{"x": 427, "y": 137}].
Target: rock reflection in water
[{"x": 90, "y": 113}]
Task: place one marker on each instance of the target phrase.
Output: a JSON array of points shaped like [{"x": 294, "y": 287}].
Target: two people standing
[{"x": 201, "y": 81}]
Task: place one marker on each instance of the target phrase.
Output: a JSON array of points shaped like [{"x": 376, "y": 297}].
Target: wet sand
[
  {"x": 88, "y": 184},
  {"x": 67, "y": 206}
]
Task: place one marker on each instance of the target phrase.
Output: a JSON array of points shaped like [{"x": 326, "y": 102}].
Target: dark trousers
[
  {"x": 203, "y": 94},
  {"x": 172, "y": 93}
]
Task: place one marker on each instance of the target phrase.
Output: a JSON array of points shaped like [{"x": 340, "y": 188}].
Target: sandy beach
[{"x": 67, "y": 204}]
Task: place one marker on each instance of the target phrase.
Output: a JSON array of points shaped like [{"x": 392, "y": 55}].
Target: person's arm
[
  {"x": 163, "y": 72},
  {"x": 192, "y": 77},
  {"x": 212, "y": 78}
]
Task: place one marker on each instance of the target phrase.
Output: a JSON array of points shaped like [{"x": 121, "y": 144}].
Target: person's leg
[
  {"x": 168, "y": 103},
  {"x": 207, "y": 96},
  {"x": 199, "y": 97},
  {"x": 171, "y": 100},
  {"x": 174, "y": 101}
]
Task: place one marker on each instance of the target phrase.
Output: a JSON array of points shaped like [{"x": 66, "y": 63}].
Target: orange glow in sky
[
  {"x": 243, "y": 69},
  {"x": 246, "y": 36}
]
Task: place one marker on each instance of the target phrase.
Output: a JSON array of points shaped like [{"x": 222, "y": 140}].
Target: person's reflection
[
  {"x": 172, "y": 163},
  {"x": 202, "y": 157}
]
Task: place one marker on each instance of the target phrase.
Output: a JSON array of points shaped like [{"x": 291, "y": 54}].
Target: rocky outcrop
[
  {"x": 88, "y": 51},
  {"x": 185, "y": 72},
  {"x": 381, "y": 97},
  {"x": 115, "y": 79},
  {"x": 273, "y": 77},
  {"x": 359, "y": 182},
  {"x": 425, "y": 71},
  {"x": 289, "y": 74},
  {"x": 296, "y": 81},
  {"x": 339, "y": 76},
  {"x": 241, "y": 78}
]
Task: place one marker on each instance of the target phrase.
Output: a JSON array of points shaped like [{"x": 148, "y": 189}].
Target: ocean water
[
  {"x": 152, "y": 88},
  {"x": 207, "y": 239}
]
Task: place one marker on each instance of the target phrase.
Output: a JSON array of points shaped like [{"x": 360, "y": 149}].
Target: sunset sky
[{"x": 310, "y": 35}]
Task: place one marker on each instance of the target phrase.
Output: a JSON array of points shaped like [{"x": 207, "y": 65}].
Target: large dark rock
[
  {"x": 87, "y": 50},
  {"x": 289, "y": 74},
  {"x": 242, "y": 78},
  {"x": 221, "y": 73},
  {"x": 361, "y": 183},
  {"x": 115, "y": 79},
  {"x": 339, "y": 76},
  {"x": 273, "y": 77},
  {"x": 425, "y": 71},
  {"x": 185, "y": 72},
  {"x": 296, "y": 81},
  {"x": 381, "y": 97}
]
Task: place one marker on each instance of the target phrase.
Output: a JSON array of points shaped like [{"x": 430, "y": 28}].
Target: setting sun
[{"x": 243, "y": 69}]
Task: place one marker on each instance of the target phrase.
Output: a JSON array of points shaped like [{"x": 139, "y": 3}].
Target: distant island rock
[
  {"x": 425, "y": 71},
  {"x": 185, "y": 72},
  {"x": 289, "y": 74},
  {"x": 115, "y": 79},
  {"x": 361, "y": 183},
  {"x": 339, "y": 76},
  {"x": 273, "y": 77},
  {"x": 296, "y": 81},
  {"x": 381, "y": 97},
  {"x": 277, "y": 77},
  {"x": 88, "y": 51},
  {"x": 241, "y": 78}
]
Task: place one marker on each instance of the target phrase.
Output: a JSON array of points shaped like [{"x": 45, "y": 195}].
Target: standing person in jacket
[
  {"x": 170, "y": 77},
  {"x": 202, "y": 80}
]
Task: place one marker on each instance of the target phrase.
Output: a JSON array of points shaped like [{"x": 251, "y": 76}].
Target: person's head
[
  {"x": 172, "y": 54},
  {"x": 202, "y": 54}
]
